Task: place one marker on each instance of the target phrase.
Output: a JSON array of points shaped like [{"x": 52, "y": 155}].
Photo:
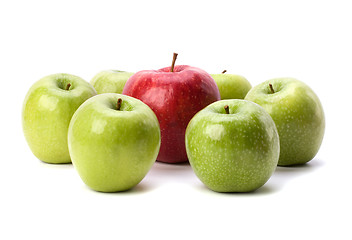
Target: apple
[
  {"x": 110, "y": 81},
  {"x": 298, "y": 115},
  {"x": 233, "y": 146},
  {"x": 47, "y": 111},
  {"x": 232, "y": 86},
  {"x": 175, "y": 94},
  {"x": 113, "y": 141}
]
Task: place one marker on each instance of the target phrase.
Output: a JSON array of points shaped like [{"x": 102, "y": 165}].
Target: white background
[{"x": 308, "y": 40}]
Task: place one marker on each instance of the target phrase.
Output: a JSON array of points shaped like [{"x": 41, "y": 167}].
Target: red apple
[{"x": 175, "y": 94}]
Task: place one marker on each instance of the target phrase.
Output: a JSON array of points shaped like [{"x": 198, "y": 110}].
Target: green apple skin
[
  {"x": 235, "y": 152},
  {"x": 232, "y": 86},
  {"x": 110, "y": 81},
  {"x": 112, "y": 150},
  {"x": 47, "y": 111},
  {"x": 298, "y": 115}
]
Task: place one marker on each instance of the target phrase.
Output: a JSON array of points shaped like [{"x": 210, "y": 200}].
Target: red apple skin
[{"x": 175, "y": 97}]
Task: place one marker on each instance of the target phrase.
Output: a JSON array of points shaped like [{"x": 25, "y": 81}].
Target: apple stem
[
  {"x": 271, "y": 88},
  {"x": 68, "y": 86},
  {"x": 173, "y": 62},
  {"x": 223, "y": 71},
  {"x": 227, "y": 110},
  {"x": 118, "y": 105}
]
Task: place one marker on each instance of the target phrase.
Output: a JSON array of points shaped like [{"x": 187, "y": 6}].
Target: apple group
[{"x": 114, "y": 128}]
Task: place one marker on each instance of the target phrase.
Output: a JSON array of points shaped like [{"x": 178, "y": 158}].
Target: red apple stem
[
  {"x": 271, "y": 88},
  {"x": 223, "y": 71},
  {"x": 173, "y": 62},
  {"x": 118, "y": 105},
  {"x": 227, "y": 110},
  {"x": 68, "y": 86}
]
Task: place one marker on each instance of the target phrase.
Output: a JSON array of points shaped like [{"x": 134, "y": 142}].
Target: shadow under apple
[
  {"x": 278, "y": 180},
  {"x": 138, "y": 189},
  {"x": 163, "y": 173},
  {"x": 55, "y": 165},
  {"x": 264, "y": 190},
  {"x": 283, "y": 175}
]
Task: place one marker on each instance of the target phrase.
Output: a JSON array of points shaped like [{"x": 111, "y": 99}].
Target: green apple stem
[
  {"x": 271, "y": 88},
  {"x": 118, "y": 105},
  {"x": 227, "y": 110},
  {"x": 223, "y": 71},
  {"x": 68, "y": 86},
  {"x": 173, "y": 62}
]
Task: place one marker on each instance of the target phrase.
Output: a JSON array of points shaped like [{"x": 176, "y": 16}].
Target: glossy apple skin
[
  {"x": 175, "y": 97},
  {"x": 47, "y": 111},
  {"x": 110, "y": 81},
  {"x": 232, "y": 86},
  {"x": 112, "y": 150},
  {"x": 235, "y": 152},
  {"x": 298, "y": 115}
]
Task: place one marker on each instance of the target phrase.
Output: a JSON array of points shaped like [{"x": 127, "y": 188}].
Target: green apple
[
  {"x": 113, "y": 140},
  {"x": 110, "y": 81},
  {"x": 298, "y": 115},
  {"x": 47, "y": 111},
  {"x": 232, "y": 146},
  {"x": 231, "y": 86}
]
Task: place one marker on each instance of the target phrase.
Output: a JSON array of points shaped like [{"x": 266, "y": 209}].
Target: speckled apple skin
[
  {"x": 298, "y": 115},
  {"x": 47, "y": 112},
  {"x": 110, "y": 81},
  {"x": 232, "y": 86},
  {"x": 235, "y": 152},
  {"x": 112, "y": 150}
]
